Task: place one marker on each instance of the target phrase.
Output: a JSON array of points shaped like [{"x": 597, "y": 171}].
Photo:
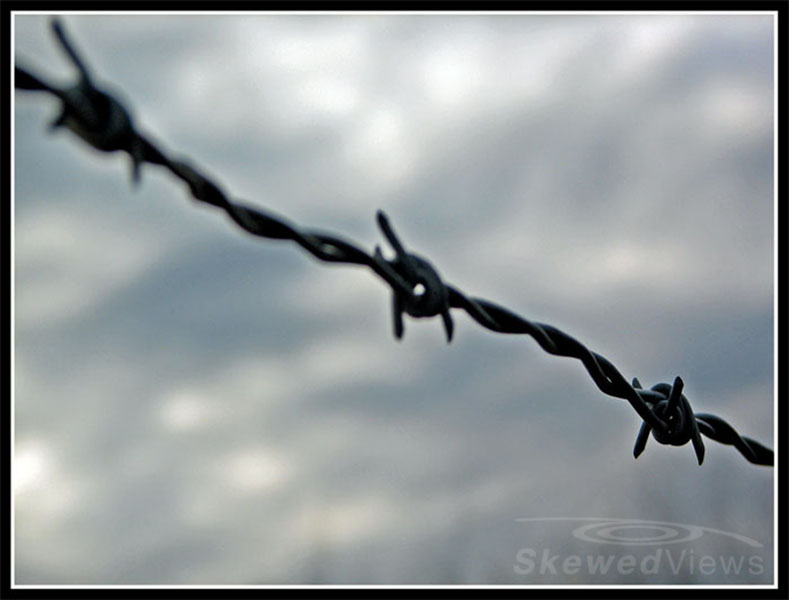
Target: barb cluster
[{"x": 417, "y": 288}]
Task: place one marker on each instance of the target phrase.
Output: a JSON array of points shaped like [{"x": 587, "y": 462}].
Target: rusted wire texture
[{"x": 417, "y": 288}]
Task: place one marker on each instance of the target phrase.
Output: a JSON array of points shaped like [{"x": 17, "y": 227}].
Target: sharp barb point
[{"x": 641, "y": 439}]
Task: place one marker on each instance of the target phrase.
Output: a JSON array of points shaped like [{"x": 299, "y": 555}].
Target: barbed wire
[{"x": 417, "y": 288}]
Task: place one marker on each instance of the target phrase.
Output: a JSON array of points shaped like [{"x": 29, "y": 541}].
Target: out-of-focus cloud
[{"x": 193, "y": 405}]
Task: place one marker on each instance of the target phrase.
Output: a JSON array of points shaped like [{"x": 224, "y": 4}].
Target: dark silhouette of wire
[{"x": 417, "y": 288}]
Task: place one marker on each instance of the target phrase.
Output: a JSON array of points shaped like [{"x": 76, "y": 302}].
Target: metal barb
[
  {"x": 675, "y": 394},
  {"x": 416, "y": 271},
  {"x": 674, "y": 408},
  {"x": 68, "y": 48},
  {"x": 91, "y": 113},
  {"x": 102, "y": 121}
]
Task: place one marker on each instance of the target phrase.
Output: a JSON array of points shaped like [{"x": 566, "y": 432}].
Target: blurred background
[{"x": 197, "y": 406}]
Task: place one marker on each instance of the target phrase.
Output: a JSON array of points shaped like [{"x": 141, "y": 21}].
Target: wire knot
[
  {"x": 417, "y": 288},
  {"x": 92, "y": 114},
  {"x": 673, "y": 408}
]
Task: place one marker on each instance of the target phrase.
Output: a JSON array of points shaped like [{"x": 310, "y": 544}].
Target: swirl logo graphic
[{"x": 639, "y": 532}]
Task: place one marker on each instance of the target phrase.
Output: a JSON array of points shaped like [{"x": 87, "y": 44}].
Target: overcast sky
[{"x": 195, "y": 405}]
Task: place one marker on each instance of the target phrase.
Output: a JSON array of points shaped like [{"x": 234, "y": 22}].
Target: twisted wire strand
[{"x": 417, "y": 289}]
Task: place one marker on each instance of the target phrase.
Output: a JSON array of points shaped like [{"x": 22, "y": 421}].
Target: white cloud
[{"x": 67, "y": 264}]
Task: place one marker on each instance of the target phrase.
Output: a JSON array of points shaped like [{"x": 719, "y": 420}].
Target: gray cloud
[{"x": 193, "y": 405}]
